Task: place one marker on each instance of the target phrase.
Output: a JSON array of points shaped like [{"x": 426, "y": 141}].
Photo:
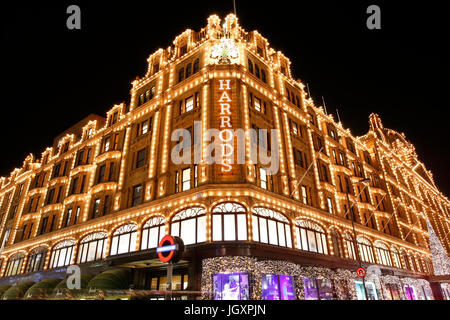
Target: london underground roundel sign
[
  {"x": 170, "y": 249},
  {"x": 361, "y": 272}
]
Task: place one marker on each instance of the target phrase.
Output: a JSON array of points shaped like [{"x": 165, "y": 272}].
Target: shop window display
[
  {"x": 392, "y": 291},
  {"x": 318, "y": 289},
  {"x": 231, "y": 286},
  {"x": 371, "y": 290},
  {"x": 410, "y": 293},
  {"x": 277, "y": 287}
]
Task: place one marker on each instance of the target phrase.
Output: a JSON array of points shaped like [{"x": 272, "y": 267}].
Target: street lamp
[{"x": 350, "y": 208}]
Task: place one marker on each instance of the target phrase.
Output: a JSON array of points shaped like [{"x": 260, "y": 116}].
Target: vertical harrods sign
[{"x": 225, "y": 120}]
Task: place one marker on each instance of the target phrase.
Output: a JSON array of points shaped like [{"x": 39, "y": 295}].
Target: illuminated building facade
[{"x": 107, "y": 190}]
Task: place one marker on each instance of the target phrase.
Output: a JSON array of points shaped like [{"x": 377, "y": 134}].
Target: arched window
[
  {"x": 396, "y": 257},
  {"x": 15, "y": 264},
  {"x": 190, "y": 225},
  {"x": 124, "y": 239},
  {"x": 91, "y": 247},
  {"x": 311, "y": 237},
  {"x": 36, "y": 259},
  {"x": 229, "y": 222},
  {"x": 383, "y": 254},
  {"x": 196, "y": 65},
  {"x": 62, "y": 254},
  {"x": 365, "y": 250},
  {"x": 350, "y": 245},
  {"x": 152, "y": 233},
  {"x": 336, "y": 242},
  {"x": 271, "y": 227}
]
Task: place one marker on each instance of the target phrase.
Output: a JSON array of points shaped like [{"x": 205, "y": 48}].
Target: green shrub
[
  {"x": 3, "y": 289},
  {"x": 61, "y": 291},
  {"x": 41, "y": 289},
  {"x": 17, "y": 292},
  {"x": 117, "y": 279}
]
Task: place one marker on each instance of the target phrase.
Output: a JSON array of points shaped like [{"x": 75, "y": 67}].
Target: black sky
[{"x": 53, "y": 77}]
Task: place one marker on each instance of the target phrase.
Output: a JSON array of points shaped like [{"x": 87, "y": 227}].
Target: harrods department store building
[{"x": 107, "y": 190}]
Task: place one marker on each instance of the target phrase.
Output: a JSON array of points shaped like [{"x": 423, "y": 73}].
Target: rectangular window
[
  {"x": 79, "y": 160},
  {"x": 111, "y": 172},
  {"x": 324, "y": 173},
  {"x": 52, "y": 224},
  {"x": 83, "y": 178},
  {"x": 330, "y": 205},
  {"x": 50, "y": 196},
  {"x": 144, "y": 127},
  {"x": 44, "y": 225},
  {"x": 56, "y": 170},
  {"x": 195, "y": 176},
  {"x": 106, "y": 144},
  {"x": 58, "y": 197},
  {"x": 68, "y": 217},
  {"x": 96, "y": 208},
  {"x": 77, "y": 215},
  {"x": 298, "y": 158},
  {"x": 140, "y": 158},
  {"x": 263, "y": 178},
  {"x": 186, "y": 179},
  {"x": 304, "y": 195},
  {"x": 106, "y": 205},
  {"x": 294, "y": 128},
  {"x": 101, "y": 174},
  {"x": 335, "y": 157},
  {"x": 88, "y": 156},
  {"x": 189, "y": 104},
  {"x": 258, "y": 104},
  {"x": 74, "y": 185},
  {"x": 177, "y": 182},
  {"x": 137, "y": 195}
]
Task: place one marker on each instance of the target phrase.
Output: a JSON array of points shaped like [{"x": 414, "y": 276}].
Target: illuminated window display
[
  {"x": 410, "y": 293},
  {"x": 393, "y": 291},
  {"x": 318, "y": 289},
  {"x": 370, "y": 288},
  {"x": 231, "y": 286},
  {"x": 277, "y": 287}
]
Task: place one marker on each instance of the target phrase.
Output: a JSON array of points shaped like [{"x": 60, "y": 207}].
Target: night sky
[{"x": 53, "y": 77}]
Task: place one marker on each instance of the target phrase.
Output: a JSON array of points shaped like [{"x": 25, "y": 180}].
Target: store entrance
[{"x": 150, "y": 280}]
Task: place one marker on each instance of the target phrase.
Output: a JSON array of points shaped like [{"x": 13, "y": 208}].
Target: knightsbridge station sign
[{"x": 223, "y": 141}]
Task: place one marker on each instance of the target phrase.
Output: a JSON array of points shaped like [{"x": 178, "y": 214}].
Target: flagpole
[
  {"x": 390, "y": 217},
  {"x": 375, "y": 209},
  {"x": 304, "y": 174}
]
